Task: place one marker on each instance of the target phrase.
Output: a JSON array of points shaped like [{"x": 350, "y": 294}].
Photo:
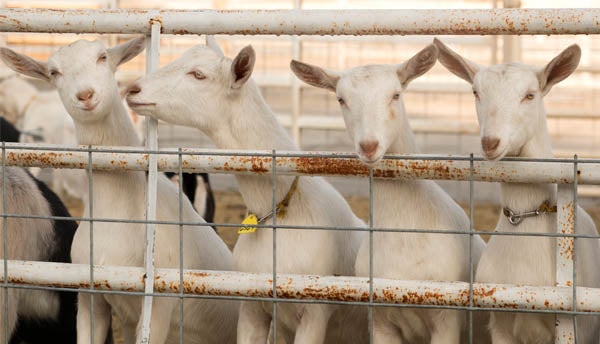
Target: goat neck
[
  {"x": 252, "y": 125},
  {"x": 524, "y": 197}
]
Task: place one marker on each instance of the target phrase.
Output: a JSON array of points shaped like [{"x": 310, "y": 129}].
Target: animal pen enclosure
[{"x": 565, "y": 299}]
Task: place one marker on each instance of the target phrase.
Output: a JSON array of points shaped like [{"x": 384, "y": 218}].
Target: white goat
[
  {"x": 512, "y": 117},
  {"x": 206, "y": 90},
  {"x": 371, "y": 102},
  {"x": 83, "y": 73}
]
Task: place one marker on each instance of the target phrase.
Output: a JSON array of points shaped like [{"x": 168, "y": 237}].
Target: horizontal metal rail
[
  {"x": 307, "y": 22},
  {"x": 307, "y": 163},
  {"x": 305, "y": 287}
]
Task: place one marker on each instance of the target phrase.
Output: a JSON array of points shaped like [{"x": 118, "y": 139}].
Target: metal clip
[
  {"x": 265, "y": 218},
  {"x": 515, "y": 219}
]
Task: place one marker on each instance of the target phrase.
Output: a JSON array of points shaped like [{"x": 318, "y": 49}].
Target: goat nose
[
  {"x": 489, "y": 144},
  {"x": 369, "y": 147},
  {"x": 85, "y": 95},
  {"x": 133, "y": 89}
]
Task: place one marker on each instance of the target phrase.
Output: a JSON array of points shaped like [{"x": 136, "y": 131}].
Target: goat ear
[
  {"x": 417, "y": 65},
  {"x": 124, "y": 52},
  {"x": 559, "y": 68},
  {"x": 315, "y": 76},
  {"x": 242, "y": 66},
  {"x": 456, "y": 64},
  {"x": 24, "y": 64},
  {"x": 211, "y": 42}
]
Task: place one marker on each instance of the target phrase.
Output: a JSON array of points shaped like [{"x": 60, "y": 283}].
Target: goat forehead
[
  {"x": 201, "y": 53},
  {"x": 82, "y": 50},
  {"x": 370, "y": 79},
  {"x": 199, "y": 57},
  {"x": 506, "y": 79}
]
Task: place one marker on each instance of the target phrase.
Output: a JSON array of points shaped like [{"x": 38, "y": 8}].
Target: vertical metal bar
[
  {"x": 574, "y": 266},
  {"x": 471, "y": 237},
  {"x": 112, "y": 4},
  {"x": 180, "y": 173},
  {"x": 371, "y": 335},
  {"x": 296, "y": 55},
  {"x": 511, "y": 44},
  {"x": 274, "y": 217},
  {"x": 4, "y": 244},
  {"x": 494, "y": 40},
  {"x": 341, "y": 45},
  {"x": 91, "y": 211},
  {"x": 564, "y": 257},
  {"x": 151, "y": 144}
]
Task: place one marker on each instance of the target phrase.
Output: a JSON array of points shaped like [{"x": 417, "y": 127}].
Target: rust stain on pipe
[{"x": 566, "y": 244}]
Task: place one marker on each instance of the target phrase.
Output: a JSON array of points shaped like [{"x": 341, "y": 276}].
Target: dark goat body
[
  {"x": 63, "y": 329},
  {"x": 209, "y": 211},
  {"x": 8, "y": 132}
]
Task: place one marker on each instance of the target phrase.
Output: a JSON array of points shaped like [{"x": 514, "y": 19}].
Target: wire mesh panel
[
  {"x": 298, "y": 288},
  {"x": 566, "y": 299}
]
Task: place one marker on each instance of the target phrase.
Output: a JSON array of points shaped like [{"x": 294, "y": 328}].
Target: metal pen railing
[
  {"x": 566, "y": 299},
  {"x": 371, "y": 291}
]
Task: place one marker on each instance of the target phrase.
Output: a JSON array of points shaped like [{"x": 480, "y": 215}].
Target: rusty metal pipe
[
  {"x": 307, "y": 163},
  {"x": 308, "y": 287},
  {"x": 308, "y": 22}
]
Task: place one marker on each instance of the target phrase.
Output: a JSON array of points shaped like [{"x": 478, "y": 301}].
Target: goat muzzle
[{"x": 489, "y": 144}]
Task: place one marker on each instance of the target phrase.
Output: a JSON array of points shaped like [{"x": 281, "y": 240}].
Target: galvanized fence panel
[
  {"x": 297, "y": 288},
  {"x": 566, "y": 299}
]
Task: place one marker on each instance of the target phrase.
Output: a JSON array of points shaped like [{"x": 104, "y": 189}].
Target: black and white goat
[{"x": 36, "y": 316}]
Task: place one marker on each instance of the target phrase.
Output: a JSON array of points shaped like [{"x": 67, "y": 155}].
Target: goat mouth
[
  {"x": 495, "y": 157},
  {"x": 369, "y": 161},
  {"x": 90, "y": 107},
  {"x": 138, "y": 105}
]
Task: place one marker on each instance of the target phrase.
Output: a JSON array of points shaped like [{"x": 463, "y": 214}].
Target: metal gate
[{"x": 565, "y": 299}]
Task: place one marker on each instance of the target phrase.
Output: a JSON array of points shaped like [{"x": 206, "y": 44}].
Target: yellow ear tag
[{"x": 248, "y": 225}]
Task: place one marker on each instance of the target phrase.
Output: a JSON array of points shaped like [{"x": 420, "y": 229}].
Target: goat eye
[
  {"x": 198, "y": 75},
  {"x": 102, "y": 58},
  {"x": 476, "y": 94},
  {"x": 396, "y": 96},
  {"x": 53, "y": 73},
  {"x": 529, "y": 96},
  {"x": 341, "y": 101}
]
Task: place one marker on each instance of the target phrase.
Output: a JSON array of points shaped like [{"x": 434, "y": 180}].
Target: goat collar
[
  {"x": 282, "y": 206},
  {"x": 515, "y": 218},
  {"x": 280, "y": 210}
]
